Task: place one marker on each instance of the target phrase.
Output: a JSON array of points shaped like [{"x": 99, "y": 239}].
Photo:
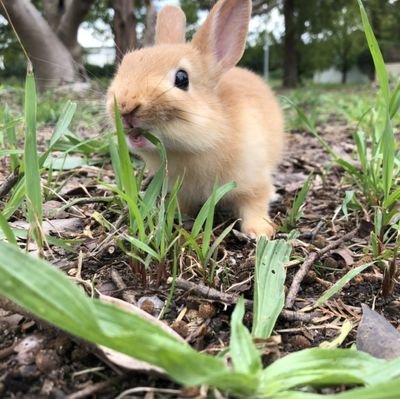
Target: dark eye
[{"x": 182, "y": 79}]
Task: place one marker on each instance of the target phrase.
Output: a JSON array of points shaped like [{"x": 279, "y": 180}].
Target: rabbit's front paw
[{"x": 258, "y": 227}]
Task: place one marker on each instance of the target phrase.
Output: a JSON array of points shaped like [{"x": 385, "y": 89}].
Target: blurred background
[{"x": 291, "y": 42}]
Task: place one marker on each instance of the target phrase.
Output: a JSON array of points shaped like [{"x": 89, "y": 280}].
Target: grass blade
[
  {"x": 31, "y": 162},
  {"x": 8, "y": 233},
  {"x": 203, "y": 213},
  {"x": 376, "y": 54},
  {"x": 388, "y": 152},
  {"x": 127, "y": 176},
  {"x": 341, "y": 283}
]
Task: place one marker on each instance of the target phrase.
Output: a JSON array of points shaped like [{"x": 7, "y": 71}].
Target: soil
[{"x": 39, "y": 361}]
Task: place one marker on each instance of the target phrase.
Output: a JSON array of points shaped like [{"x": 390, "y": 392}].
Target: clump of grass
[
  {"x": 295, "y": 212},
  {"x": 156, "y": 234},
  {"x": 377, "y": 175},
  {"x": 49, "y": 294},
  {"x": 29, "y": 167}
]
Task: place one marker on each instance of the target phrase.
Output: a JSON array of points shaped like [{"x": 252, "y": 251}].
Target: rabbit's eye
[{"x": 182, "y": 79}]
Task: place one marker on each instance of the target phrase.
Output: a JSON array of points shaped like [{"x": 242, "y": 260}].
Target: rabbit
[{"x": 218, "y": 122}]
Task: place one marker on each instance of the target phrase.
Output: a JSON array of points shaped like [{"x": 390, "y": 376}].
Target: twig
[
  {"x": 90, "y": 200},
  {"x": 9, "y": 183},
  {"x": 127, "y": 295},
  {"x": 92, "y": 389},
  {"x": 229, "y": 299},
  {"x": 308, "y": 262}
]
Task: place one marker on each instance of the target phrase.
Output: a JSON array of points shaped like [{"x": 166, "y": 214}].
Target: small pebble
[
  {"x": 206, "y": 311},
  {"x": 181, "y": 328},
  {"x": 47, "y": 360},
  {"x": 300, "y": 342}
]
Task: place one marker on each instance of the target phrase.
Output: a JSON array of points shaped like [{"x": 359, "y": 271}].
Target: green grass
[
  {"x": 376, "y": 174},
  {"x": 49, "y": 294},
  {"x": 156, "y": 238}
]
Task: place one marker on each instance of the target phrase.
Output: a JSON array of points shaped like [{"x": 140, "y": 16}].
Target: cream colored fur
[{"x": 227, "y": 126}]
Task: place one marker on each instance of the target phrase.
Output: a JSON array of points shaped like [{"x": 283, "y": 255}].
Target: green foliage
[
  {"x": 200, "y": 239},
  {"x": 377, "y": 175},
  {"x": 296, "y": 211},
  {"x": 49, "y": 294},
  {"x": 33, "y": 185},
  {"x": 269, "y": 280}
]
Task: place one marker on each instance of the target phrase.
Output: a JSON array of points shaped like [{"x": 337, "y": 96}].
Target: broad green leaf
[
  {"x": 270, "y": 274},
  {"x": 322, "y": 367},
  {"x": 66, "y": 162},
  {"x": 46, "y": 292},
  {"x": 385, "y": 390},
  {"x": 244, "y": 354}
]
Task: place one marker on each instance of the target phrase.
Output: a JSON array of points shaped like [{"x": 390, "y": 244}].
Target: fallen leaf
[
  {"x": 53, "y": 226},
  {"x": 377, "y": 336},
  {"x": 346, "y": 255},
  {"x": 123, "y": 360}
]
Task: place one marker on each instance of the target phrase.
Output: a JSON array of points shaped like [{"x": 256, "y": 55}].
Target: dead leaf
[
  {"x": 126, "y": 361},
  {"x": 54, "y": 226},
  {"x": 346, "y": 255},
  {"x": 377, "y": 336}
]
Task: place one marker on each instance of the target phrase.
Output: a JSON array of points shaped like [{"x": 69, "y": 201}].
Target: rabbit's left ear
[
  {"x": 171, "y": 26},
  {"x": 223, "y": 34}
]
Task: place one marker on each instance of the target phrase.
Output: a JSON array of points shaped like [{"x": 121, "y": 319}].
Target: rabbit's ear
[
  {"x": 171, "y": 26},
  {"x": 223, "y": 34}
]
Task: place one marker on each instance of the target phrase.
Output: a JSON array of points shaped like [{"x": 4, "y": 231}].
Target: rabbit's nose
[{"x": 130, "y": 119}]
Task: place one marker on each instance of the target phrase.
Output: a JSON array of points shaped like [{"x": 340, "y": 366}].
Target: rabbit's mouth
[{"x": 136, "y": 139}]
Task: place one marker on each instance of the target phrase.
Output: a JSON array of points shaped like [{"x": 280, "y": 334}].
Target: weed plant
[
  {"x": 377, "y": 173},
  {"x": 155, "y": 233}
]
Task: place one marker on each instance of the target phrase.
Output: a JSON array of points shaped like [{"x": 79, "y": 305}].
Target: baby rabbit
[{"x": 218, "y": 123}]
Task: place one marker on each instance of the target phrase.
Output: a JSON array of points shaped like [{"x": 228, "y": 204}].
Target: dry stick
[
  {"x": 229, "y": 299},
  {"x": 95, "y": 388},
  {"x": 9, "y": 183},
  {"x": 308, "y": 262}
]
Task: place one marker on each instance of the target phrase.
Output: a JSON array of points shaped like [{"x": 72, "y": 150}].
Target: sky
[{"x": 87, "y": 37}]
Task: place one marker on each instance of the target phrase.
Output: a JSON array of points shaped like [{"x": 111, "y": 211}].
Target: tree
[
  {"x": 55, "y": 54},
  {"x": 48, "y": 31},
  {"x": 124, "y": 26},
  {"x": 291, "y": 40}
]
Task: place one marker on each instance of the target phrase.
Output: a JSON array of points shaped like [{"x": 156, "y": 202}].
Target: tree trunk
[
  {"x": 290, "y": 61},
  {"x": 53, "y": 63},
  {"x": 53, "y": 11},
  {"x": 344, "y": 76},
  {"x": 151, "y": 18},
  {"x": 67, "y": 31},
  {"x": 124, "y": 27}
]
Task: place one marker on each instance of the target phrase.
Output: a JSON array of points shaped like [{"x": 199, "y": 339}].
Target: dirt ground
[{"x": 38, "y": 361}]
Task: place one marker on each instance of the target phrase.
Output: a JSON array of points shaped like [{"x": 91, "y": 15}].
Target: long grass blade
[
  {"x": 376, "y": 54},
  {"x": 31, "y": 162}
]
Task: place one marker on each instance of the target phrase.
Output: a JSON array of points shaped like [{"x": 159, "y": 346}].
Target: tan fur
[{"x": 227, "y": 126}]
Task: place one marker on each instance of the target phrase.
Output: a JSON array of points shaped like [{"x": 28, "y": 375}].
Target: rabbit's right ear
[
  {"x": 223, "y": 34},
  {"x": 171, "y": 26}
]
